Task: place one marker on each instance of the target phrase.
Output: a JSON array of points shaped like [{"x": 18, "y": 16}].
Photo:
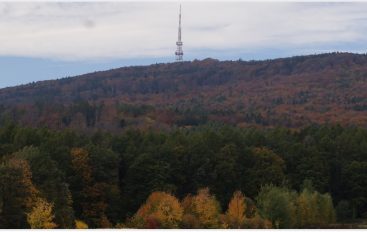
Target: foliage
[
  {"x": 17, "y": 193},
  {"x": 288, "y": 209},
  {"x": 162, "y": 208},
  {"x": 41, "y": 216},
  {"x": 314, "y": 209},
  {"x": 343, "y": 211},
  {"x": 197, "y": 92},
  {"x": 102, "y": 178},
  {"x": 204, "y": 207},
  {"x": 235, "y": 216},
  {"x": 277, "y": 204},
  {"x": 80, "y": 225}
]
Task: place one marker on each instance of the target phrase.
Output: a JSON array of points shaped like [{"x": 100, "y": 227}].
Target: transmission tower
[{"x": 179, "y": 52}]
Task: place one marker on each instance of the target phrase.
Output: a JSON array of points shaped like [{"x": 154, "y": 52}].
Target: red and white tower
[{"x": 179, "y": 52}]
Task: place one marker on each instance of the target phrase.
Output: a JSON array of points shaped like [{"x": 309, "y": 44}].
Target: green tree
[
  {"x": 277, "y": 205},
  {"x": 344, "y": 211},
  {"x": 157, "y": 180},
  {"x": 355, "y": 181},
  {"x": 89, "y": 192},
  {"x": 264, "y": 167}
]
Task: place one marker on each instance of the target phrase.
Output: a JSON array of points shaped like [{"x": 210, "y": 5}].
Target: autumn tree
[
  {"x": 41, "y": 216},
  {"x": 314, "y": 209},
  {"x": 258, "y": 222},
  {"x": 17, "y": 193},
  {"x": 90, "y": 193},
  {"x": 204, "y": 208},
  {"x": 51, "y": 183},
  {"x": 80, "y": 224},
  {"x": 236, "y": 215},
  {"x": 161, "y": 210},
  {"x": 306, "y": 209}
]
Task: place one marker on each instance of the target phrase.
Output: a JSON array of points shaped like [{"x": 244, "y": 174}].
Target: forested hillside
[
  {"x": 213, "y": 176},
  {"x": 291, "y": 92},
  {"x": 203, "y": 144}
]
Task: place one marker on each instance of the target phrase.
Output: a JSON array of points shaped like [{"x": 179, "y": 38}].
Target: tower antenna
[{"x": 179, "y": 52}]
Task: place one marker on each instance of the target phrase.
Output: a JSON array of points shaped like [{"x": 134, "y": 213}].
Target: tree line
[{"x": 211, "y": 176}]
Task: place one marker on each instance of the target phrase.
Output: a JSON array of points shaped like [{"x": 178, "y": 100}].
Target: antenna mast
[{"x": 179, "y": 52}]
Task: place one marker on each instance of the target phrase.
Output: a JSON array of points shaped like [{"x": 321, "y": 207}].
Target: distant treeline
[{"x": 210, "y": 176}]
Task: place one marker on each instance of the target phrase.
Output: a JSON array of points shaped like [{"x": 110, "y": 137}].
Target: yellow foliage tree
[
  {"x": 204, "y": 207},
  {"x": 235, "y": 216},
  {"x": 314, "y": 209},
  {"x": 41, "y": 216},
  {"x": 160, "y": 210},
  {"x": 29, "y": 188},
  {"x": 80, "y": 224}
]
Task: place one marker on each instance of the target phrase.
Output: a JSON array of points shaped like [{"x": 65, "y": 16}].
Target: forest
[
  {"x": 209, "y": 176},
  {"x": 290, "y": 92}
]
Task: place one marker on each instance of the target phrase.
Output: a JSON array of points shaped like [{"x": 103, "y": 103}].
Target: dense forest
[
  {"x": 210, "y": 176},
  {"x": 290, "y": 92}
]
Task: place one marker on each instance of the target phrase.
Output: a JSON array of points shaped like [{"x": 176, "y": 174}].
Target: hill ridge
[{"x": 291, "y": 92}]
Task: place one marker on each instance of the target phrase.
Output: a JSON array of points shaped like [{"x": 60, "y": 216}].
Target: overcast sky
[{"x": 45, "y": 40}]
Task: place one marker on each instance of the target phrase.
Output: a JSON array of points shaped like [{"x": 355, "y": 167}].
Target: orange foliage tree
[
  {"x": 236, "y": 214},
  {"x": 161, "y": 210}
]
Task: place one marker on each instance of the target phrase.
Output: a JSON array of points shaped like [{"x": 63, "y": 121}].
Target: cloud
[{"x": 97, "y": 30}]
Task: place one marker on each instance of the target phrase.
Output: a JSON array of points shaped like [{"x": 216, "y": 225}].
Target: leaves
[
  {"x": 204, "y": 207},
  {"x": 41, "y": 216},
  {"x": 160, "y": 210},
  {"x": 235, "y": 215}
]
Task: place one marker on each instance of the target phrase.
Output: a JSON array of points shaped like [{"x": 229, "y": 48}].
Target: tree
[
  {"x": 235, "y": 215},
  {"x": 314, "y": 209},
  {"x": 355, "y": 181},
  {"x": 306, "y": 209},
  {"x": 41, "y": 216},
  {"x": 161, "y": 209},
  {"x": 277, "y": 205},
  {"x": 157, "y": 180},
  {"x": 344, "y": 211},
  {"x": 50, "y": 181},
  {"x": 90, "y": 194},
  {"x": 225, "y": 173},
  {"x": 17, "y": 193},
  {"x": 264, "y": 167},
  {"x": 326, "y": 209},
  {"x": 80, "y": 225},
  {"x": 257, "y": 222},
  {"x": 204, "y": 207}
]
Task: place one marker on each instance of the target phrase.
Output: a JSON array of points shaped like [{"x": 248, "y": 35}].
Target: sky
[{"x": 49, "y": 40}]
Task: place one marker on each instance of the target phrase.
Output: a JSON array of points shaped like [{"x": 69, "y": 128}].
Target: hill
[{"x": 291, "y": 92}]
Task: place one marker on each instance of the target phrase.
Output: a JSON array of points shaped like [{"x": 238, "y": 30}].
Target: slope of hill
[{"x": 291, "y": 92}]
